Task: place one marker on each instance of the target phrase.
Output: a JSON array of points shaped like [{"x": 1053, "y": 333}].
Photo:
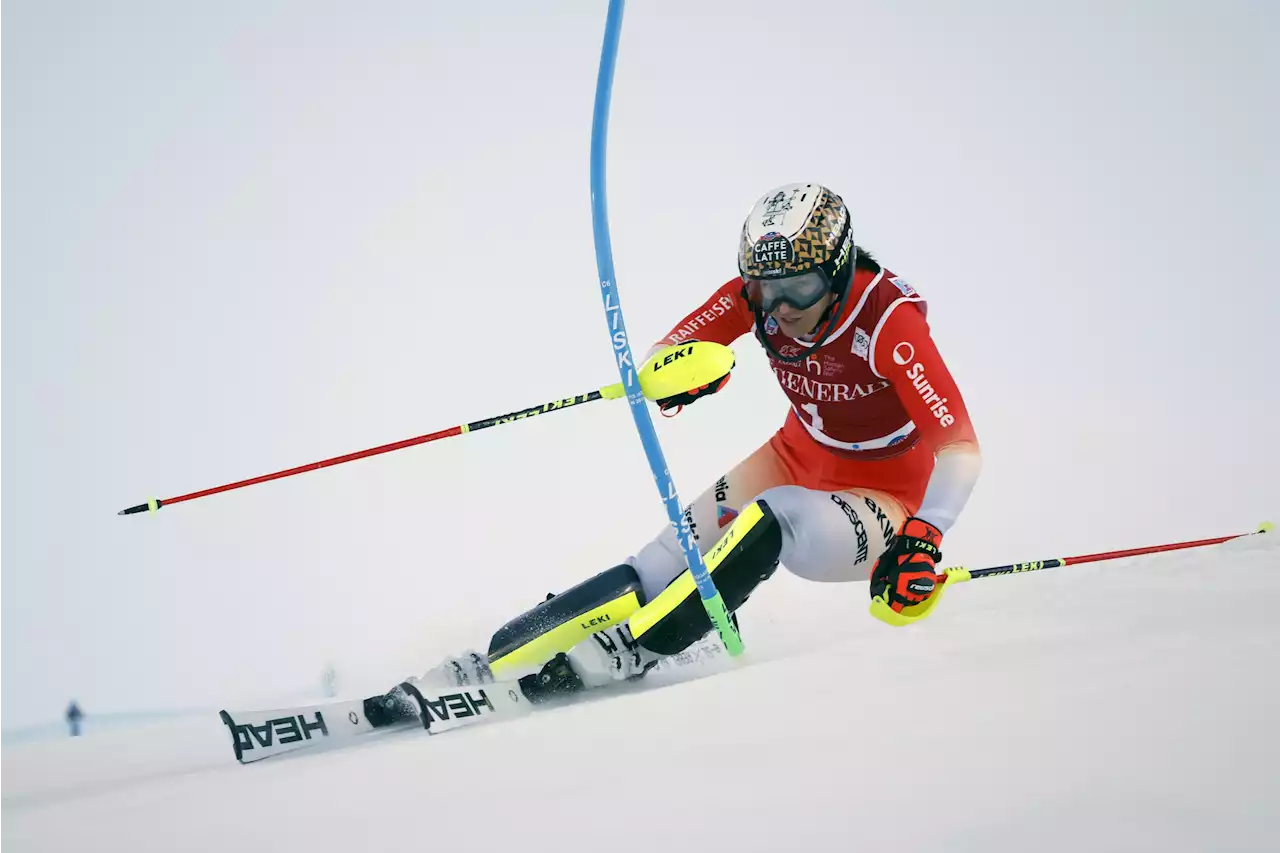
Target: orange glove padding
[{"x": 676, "y": 402}]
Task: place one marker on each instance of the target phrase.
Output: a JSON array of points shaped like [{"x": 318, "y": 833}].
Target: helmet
[{"x": 796, "y": 247}]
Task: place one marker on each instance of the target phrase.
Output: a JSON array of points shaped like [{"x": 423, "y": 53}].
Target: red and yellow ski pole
[
  {"x": 672, "y": 370},
  {"x": 606, "y": 393},
  {"x": 949, "y": 577}
]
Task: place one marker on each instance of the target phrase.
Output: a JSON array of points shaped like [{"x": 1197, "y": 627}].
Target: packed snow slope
[{"x": 1125, "y": 705}]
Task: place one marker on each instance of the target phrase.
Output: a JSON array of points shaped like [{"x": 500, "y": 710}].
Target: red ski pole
[
  {"x": 670, "y": 371},
  {"x": 608, "y": 392},
  {"x": 958, "y": 574}
]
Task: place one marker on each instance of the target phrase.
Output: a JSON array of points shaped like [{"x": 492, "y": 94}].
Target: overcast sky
[{"x": 242, "y": 236}]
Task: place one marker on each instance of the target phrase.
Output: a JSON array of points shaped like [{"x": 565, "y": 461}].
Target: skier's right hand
[{"x": 672, "y": 404}]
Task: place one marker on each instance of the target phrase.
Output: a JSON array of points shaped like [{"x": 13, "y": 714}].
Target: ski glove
[
  {"x": 676, "y": 402},
  {"x": 904, "y": 574}
]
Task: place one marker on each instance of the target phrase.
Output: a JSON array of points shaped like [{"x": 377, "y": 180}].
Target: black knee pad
[
  {"x": 562, "y": 621},
  {"x": 746, "y": 555}
]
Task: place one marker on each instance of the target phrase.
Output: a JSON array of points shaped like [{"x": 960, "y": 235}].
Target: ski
[{"x": 260, "y": 734}]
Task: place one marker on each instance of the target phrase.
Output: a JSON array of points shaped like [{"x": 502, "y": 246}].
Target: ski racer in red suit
[{"x": 872, "y": 465}]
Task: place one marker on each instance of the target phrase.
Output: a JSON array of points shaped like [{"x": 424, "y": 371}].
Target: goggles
[{"x": 799, "y": 291}]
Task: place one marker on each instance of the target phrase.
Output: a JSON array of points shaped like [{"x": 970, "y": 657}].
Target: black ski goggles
[{"x": 799, "y": 291}]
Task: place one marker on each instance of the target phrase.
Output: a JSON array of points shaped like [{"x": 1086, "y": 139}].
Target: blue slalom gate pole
[{"x": 711, "y": 598}]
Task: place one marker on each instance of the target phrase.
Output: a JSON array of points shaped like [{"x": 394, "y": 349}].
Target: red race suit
[{"x": 874, "y": 408}]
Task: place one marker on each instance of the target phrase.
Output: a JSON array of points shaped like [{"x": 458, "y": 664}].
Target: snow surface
[{"x": 1125, "y": 705}]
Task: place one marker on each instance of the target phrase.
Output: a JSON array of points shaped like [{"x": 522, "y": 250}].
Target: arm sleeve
[
  {"x": 722, "y": 319},
  {"x": 903, "y": 352}
]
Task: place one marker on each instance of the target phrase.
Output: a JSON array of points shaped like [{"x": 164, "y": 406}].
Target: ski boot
[{"x": 608, "y": 656}]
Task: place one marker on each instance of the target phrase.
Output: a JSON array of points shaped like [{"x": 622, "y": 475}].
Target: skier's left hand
[
  {"x": 905, "y": 572},
  {"x": 676, "y": 402}
]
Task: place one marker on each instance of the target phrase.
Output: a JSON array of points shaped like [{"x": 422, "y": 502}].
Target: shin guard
[
  {"x": 558, "y": 624},
  {"x": 744, "y": 556}
]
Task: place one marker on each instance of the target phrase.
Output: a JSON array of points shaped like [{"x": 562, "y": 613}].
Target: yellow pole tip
[{"x": 1266, "y": 527}]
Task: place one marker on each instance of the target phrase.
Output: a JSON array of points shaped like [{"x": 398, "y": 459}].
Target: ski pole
[
  {"x": 671, "y": 370},
  {"x": 953, "y": 575},
  {"x": 959, "y": 574},
  {"x": 608, "y": 392}
]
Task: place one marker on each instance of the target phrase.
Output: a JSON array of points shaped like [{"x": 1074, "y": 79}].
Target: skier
[
  {"x": 74, "y": 715},
  {"x": 873, "y": 464}
]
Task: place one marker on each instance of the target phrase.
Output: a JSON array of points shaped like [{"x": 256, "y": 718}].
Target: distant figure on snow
[{"x": 74, "y": 715}]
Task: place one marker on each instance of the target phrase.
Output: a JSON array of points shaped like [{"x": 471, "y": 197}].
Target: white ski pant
[{"x": 829, "y": 537}]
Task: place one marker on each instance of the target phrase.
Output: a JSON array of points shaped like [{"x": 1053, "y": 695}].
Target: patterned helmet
[{"x": 796, "y": 229}]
